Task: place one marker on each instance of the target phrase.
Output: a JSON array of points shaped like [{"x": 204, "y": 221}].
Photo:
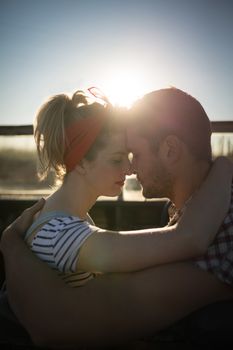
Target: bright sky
[{"x": 125, "y": 47}]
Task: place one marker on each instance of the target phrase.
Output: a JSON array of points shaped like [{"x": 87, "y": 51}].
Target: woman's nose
[
  {"x": 133, "y": 166},
  {"x": 128, "y": 168}
]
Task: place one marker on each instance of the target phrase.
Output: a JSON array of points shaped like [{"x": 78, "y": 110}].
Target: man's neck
[{"x": 188, "y": 182}]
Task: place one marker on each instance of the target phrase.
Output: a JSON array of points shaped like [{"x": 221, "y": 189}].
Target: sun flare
[{"x": 124, "y": 88}]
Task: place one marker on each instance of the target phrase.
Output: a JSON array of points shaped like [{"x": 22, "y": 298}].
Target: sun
[{"x": 124, "y": 88}]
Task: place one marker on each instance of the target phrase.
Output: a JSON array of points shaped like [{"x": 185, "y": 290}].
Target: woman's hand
[{"x": 17, "y": 229}]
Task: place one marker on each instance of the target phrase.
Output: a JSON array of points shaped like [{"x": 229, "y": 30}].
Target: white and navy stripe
[{"x": 58, "y": 244}]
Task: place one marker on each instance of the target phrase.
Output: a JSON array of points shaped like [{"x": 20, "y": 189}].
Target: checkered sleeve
[
  {"x": 219, "y": 256},
  {"x": 225, "y": 272}
]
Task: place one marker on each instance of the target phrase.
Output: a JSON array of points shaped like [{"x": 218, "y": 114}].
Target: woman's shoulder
[
  {"x": 54, "y": 225},
  {"x": 51, "y": 222},
  {"x": 67, "y": 223}
]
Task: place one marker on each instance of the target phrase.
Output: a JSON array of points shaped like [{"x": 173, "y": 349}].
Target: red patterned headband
[{"x": 80, "y": 137}]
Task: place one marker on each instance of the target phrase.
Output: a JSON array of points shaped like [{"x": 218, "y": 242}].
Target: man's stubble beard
[{"x": 161, "y": 185}]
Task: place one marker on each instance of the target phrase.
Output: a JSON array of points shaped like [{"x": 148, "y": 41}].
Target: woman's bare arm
[{"x": 109, "y": 251}]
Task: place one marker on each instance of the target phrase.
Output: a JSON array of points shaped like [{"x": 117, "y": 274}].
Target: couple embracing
[{"x": 72, "y": 283}]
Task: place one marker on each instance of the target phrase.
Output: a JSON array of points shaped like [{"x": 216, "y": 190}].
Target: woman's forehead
[
  {"x": 135, "y": 140},
  {"x": 116, "y": 143}
]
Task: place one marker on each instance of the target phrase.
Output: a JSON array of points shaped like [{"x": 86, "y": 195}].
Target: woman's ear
[
  {"x": 171, "y": 149},
  {"x": 80, "y": 168}
]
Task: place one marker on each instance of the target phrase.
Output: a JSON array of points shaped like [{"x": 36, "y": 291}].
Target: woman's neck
[{"x": 73, "y": 197}]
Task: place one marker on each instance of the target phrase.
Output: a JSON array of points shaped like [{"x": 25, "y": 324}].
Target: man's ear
[{"x": 171, "y": 149}]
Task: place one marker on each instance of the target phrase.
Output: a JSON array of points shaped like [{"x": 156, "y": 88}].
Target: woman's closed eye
[{"x": 117, "y": 160}]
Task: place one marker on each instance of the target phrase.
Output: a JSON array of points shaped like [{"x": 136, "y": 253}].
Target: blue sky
[{"x": 125, "y": 47}]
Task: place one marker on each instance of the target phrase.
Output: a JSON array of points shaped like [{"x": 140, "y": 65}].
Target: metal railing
[
  {"x": 106, "y": 214},
  {"x": 13, "y": 130},
  {"x": 217, "y": 127}
]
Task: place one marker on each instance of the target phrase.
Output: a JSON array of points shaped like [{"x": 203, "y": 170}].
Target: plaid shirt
[{"x": 219, "y": 257}]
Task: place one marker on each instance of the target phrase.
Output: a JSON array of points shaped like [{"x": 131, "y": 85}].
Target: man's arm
[
  {"x": 20, "y": 226},
  {"x": 109, "y": 309}
]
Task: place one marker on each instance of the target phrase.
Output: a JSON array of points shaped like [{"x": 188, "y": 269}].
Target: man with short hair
[
  {"x": 170, "y": 141},
  {"x": 171, "y": 144}
]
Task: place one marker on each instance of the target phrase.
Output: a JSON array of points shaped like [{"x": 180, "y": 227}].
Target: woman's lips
[{"x": 120, "y": 183}]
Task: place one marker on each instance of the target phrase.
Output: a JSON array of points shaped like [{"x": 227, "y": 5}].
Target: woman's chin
[{"x": 113, "y": 193}]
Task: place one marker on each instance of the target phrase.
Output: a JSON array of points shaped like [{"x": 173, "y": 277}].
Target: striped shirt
[{"x": 58, "y": 243}]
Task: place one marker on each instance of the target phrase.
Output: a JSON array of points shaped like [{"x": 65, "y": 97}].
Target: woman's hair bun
[{"x": 79, "y": 98}]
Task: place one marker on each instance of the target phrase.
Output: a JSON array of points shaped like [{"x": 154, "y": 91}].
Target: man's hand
[{"x": 18, "y": 228}]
